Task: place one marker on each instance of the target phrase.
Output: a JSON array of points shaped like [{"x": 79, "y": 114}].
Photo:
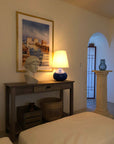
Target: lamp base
[{"x": 60, "y": 76}]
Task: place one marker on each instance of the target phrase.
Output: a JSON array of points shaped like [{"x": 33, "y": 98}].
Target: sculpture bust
[{"x": 31, "y": 65}]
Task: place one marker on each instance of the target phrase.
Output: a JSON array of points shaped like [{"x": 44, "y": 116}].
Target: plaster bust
[{"x": 31, "y": 65}]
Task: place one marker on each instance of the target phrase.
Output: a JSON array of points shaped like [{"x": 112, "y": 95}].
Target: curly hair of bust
[{"x": 31, "y": 60}]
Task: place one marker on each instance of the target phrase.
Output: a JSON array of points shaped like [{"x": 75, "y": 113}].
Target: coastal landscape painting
[{"x": 34, "y": 38}]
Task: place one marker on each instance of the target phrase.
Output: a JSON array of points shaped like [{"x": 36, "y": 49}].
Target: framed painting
[{"x": 34, "y": 38}]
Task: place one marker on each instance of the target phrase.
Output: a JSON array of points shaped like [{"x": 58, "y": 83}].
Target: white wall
[{"x": 72, "y": 30}]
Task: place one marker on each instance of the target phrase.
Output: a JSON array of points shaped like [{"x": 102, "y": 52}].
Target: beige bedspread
[
  {"x": 83, "y": 128},
  {"x": 5, "y": 140}
]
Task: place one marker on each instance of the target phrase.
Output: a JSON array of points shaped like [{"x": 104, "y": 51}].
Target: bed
[
  {"x": 5, "y": 140},
  {"x": 83, "y": 128}
]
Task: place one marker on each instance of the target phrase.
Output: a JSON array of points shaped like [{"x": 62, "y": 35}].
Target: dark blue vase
[
  {"x": 60, "y": 76},
  {"x": 102, "y": 65}
]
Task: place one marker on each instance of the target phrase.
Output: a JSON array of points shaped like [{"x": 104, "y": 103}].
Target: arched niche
[{"x": 102, "y": 47}]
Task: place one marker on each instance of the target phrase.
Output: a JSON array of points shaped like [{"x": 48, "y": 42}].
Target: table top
[{"x": 16, "y": 84}]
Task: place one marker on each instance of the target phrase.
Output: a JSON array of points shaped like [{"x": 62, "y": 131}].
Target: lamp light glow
[{"x": 60, "y": 61}]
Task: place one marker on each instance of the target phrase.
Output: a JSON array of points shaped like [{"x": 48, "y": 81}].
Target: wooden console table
[{"x": 15, "y": 89}]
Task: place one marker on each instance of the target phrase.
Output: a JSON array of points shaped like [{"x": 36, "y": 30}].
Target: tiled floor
[{"x": 91, "y": 105}]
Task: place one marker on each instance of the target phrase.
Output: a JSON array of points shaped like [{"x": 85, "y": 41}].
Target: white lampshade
[{"x": 60, "y": 59}]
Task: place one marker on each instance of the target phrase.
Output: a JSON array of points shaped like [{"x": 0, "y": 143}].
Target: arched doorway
[{"x": 99, "y": 41}]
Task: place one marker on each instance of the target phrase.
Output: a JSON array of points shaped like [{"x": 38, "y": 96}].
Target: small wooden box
[{"x": 28, "y": 119}]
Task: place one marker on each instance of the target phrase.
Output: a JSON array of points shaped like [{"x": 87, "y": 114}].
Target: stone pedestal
[{"x": 101, "y": 95}]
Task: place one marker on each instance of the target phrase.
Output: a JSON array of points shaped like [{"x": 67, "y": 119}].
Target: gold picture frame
[{"x": 35, "y": 36}]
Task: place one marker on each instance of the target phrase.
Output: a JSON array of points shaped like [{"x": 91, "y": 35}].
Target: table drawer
[{"x": 51, "y": 87}]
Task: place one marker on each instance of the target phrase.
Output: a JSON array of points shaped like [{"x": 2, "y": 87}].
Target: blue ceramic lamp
[{"x": 60, "y": 61}]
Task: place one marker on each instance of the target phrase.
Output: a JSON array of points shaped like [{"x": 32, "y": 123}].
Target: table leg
[
  {"x": 61, "y": 97},
  {"x": 12, "y": 116},
  {"x": 7, "y": 108},
  {"x": 71, "y": 100}
]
